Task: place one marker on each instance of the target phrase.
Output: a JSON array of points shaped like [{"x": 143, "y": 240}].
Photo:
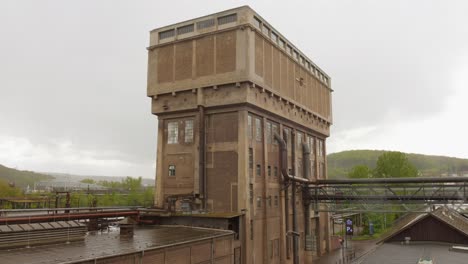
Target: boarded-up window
[
  {"x": 188, "y": 131},
  {"x": 172, "y": 133},
  {"x": 258, "y": 129}
]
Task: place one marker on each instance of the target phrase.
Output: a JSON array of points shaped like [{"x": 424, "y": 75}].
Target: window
[
  {"x": 250, "y": 158},
  {"x": 290, "y": 50},
  {"x": 276, "y": 201},
  {"x": 259, "y": 202},
  {"x": 172, "y": 170},
  {"x": 205, "y": 23},
  {"x": 275, "y": 131},
  {"x": 275, "y": 171},
  {"x": 287, "y": 132},
  {"x": 269, "y": 170},
  {"x": 274, "y": 37},
  {"x": 258, "y": 129},
  {"x": 166, "y": 34},
  {"x": 227, "y": 19},
  {"x": 185, "y": 29},
  {"x": 172, "y": 133},
  {"x": 257, "y": 22},
  {"x": 266, "y": 30},
  {"x": 268, "y": 132},
  {"x": 299, "y": 140},
  {"x": 188, "y": 131},
  {"x": 259, "y": 170},
  {"x": 310, "y": 142},
  {"x": 269, "y": 201},
  {"x": 251, "y": 230},
  {"x": 251, "y": 193},
  {"x": 249, "y": 126},
  {"x": 283, "y": 44}
]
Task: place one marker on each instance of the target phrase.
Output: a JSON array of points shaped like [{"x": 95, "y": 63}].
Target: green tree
[
  {"x": 88, "y": 181},
  {"x": 394, "y": 164},
  {"x": 360, "y": 171}
]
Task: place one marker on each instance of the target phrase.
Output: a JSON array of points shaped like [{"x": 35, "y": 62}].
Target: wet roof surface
[
  {"x": 410, "y": 254},
  {"x": 103, "y": 244}
]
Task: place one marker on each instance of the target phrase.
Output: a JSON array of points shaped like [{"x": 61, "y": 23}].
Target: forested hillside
[
  {"x": 340, "y": 163},
  {"x": 21, "y": 178}
]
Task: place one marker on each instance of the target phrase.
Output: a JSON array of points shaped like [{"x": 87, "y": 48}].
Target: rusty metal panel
[
  {"x": 165, "y": 64},
  {"x": 201, "y": 252},
  {"x": 258, "y": 54},
  {"x": 267, "y": 60},
  {"x": 204, "y": 56},
  {"x": 183, "y": 60},
  {"x": 226, "y": 57}
]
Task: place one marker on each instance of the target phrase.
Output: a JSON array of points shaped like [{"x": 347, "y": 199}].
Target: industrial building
[{"x": 232, "y": 94}]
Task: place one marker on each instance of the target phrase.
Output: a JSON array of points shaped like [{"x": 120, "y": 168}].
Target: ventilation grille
[
  {"x": 167, "y": 34},
  {"x": 205, "y": 23},
  {"x": 227, "y": 19},
  {"x": 185, "y": 29}
]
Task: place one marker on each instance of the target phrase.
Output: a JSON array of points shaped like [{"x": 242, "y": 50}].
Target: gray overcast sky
[{"x": 73, "y": 76}]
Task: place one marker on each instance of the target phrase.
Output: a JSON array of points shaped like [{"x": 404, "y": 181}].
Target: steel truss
[{"x": 387, "y": 195}]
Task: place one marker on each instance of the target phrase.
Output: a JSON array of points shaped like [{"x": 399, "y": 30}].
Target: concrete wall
[{"x": 218, "y": 251}]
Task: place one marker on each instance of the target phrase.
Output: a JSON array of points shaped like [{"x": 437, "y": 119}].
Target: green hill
[
  {"x": 340, "y": 163},
  {"x": 21, "y": 178}
]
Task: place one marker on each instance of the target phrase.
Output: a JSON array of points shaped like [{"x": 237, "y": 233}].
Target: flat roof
[
  {"x": 395, "y": 253},
  {"x": 103, "y": 244}
]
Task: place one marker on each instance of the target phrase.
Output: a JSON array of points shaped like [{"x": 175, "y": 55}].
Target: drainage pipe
[
  {"x": 201, "y": 155},
  {"x": 294, "y": 207}
]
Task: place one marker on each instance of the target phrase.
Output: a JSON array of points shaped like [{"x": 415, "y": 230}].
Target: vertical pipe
[
  {"x": 294, "y": 209},
  {"x": 306, "y": 167},
  {"x": 202, "y": 154},
  {"x": 283, "y": 167}
]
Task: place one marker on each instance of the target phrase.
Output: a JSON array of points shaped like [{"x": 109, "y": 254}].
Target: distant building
[
  {"x": 59, "y": 186},
  {"x": 222, "y": 86}
]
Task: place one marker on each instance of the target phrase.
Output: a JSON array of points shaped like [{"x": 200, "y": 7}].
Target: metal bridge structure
[
  {"x": 26, "y": 216},
  {"x": 382, "y": 195}
]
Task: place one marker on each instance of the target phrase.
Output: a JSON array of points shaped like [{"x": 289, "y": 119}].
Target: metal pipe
[
  {"x": 305, "y": 198},
  {"x": 283, "y": 165},
  {"x": 418, "y": 180},
  {"x": 202, "y": 154},
  {"x": 57, "y": 217},
  {"x": 294, "y": 209}
]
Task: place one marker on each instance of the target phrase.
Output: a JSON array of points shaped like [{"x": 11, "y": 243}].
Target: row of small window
[
  {"x": 173, "y": 131},
  {"x": 200, "y": 25},
  {"x": 289, "y": 50}
]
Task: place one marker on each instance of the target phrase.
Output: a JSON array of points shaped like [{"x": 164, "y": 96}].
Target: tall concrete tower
[{"x": 222, "y": 86}]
